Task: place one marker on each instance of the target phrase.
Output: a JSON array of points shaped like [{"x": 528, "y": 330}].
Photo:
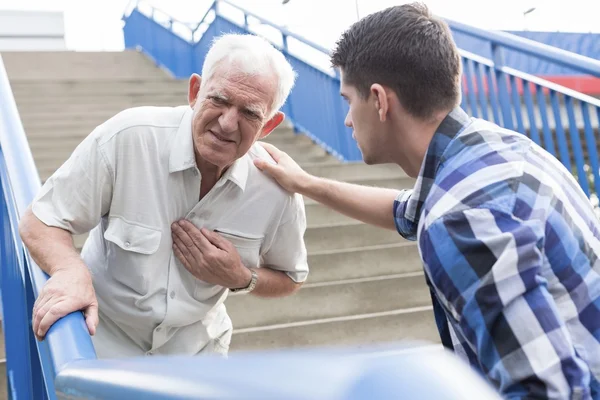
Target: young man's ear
[
  {"x": 381, "y": 101},
  {"x": 193, "y": 89},
  {"x": 272, "y": 124}
]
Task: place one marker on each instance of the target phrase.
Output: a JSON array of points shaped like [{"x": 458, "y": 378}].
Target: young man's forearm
[
  {"x": 51, "y": 248},
  {"x": 371, "y": 205}
]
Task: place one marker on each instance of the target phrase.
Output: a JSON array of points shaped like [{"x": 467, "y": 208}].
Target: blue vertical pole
[{"x": 498, "y": 57}]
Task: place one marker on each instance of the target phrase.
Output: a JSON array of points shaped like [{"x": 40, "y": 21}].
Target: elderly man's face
[{"x": 230, "y": 114}]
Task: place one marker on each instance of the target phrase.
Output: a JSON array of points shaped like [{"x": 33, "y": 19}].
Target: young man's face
[{"x": 363, "y": 118}]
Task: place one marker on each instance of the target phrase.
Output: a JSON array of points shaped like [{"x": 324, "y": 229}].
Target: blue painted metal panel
[
  {"x": 468, "y": 76},
  {"x": 585, "y": 44},
  {"x": 548, "y": 140},
  {"x": 516, "y": 100},
  {"x": 576, "y": 144},
  {"x": 561, "y": 139},
  {"x": 483, "y": 102},
  {"x": 493, "y": 93},
  {"x": 533, "y": 131},
  {"x": 590, "y": 141}
]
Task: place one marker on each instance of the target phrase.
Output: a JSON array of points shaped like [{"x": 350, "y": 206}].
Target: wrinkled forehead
[{"x": 236, "y": 77}]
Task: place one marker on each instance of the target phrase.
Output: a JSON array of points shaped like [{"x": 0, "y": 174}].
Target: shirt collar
[
  {"x": 182, "y": 155},
  {"x": 454, "y": 123}
]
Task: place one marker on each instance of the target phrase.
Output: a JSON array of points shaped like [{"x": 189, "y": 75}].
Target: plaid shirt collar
[{"x": 454, "y": 123}]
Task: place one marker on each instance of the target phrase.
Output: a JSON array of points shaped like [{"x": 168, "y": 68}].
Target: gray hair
[{"x": 254, "y": 55}]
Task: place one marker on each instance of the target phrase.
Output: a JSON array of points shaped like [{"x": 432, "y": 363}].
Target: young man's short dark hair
[{"x": 407, "y": 49}]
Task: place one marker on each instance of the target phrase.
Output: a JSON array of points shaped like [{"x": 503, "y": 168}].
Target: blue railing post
[
  {"x": 290, "y": 107},
  {"x": 498, "y": 58}
]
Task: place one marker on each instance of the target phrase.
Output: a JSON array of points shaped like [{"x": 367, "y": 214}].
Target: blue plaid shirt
[{"x": 510, "y": 246}]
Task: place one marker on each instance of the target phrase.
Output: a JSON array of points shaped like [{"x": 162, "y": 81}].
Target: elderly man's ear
[
  {"x": 193, "y": 89},
  {"x": 272, "y": 124}
]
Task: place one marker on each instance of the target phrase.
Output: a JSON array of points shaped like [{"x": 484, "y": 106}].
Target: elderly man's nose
[{"x": 229, "y": 120}]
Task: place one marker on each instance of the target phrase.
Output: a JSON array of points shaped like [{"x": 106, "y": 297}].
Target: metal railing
[
  {"x": 314, "y": 107},
  {"x": 31, "y": 365},
  {"x": 564, "y": 122},
  {"x": 561, "y": 120}
]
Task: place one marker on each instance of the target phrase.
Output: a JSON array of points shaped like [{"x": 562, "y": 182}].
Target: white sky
[{"x": 96, "y": 24}]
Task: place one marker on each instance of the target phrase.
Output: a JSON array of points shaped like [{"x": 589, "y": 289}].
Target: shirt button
[
  {"x": 192, "y": 215},
  {"x": 150, "y": 353},
  {"x": 158, "y": 329},
  {"x": 127, "y": 244},
  {"x": 195, "y": 172},
  {"x": 172, "y": 294}
]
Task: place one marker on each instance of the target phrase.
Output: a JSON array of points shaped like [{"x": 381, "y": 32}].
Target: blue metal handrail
[
  {"x": 530, "y": 47},
  {"x": 555, "y": 117},
  {"x": 284, "y": 31},
  {"x": 67, "y": 340}
]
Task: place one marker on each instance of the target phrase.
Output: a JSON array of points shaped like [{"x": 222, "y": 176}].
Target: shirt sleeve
[
  {"x": 287, "y": 252},
  {"x": 486, "y": 267},
  {"x": 79, "y": 193},
  {"x": 405, "y": 226}
]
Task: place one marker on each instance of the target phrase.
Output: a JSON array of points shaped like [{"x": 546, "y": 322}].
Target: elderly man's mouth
[{"x": 220, "y": 138}]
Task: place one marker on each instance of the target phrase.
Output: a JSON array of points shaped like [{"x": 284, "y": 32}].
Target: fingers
[
  {"x": 39, "y": 304},
  {"x": 91, "y": 318},
  {"x": 198, "y": 239},
  {"x": 215, "y": 239},
  {"x": 182, "y": 253},
  {"x": 184, "y": 236},
  {"x": 52, "y": 313},
  {"x": 272, "y": 150}
]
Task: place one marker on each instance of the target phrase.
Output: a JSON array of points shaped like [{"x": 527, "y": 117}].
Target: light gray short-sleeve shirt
[{"x": 127, "y": 182}]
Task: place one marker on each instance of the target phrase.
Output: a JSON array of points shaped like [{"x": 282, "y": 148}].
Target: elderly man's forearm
[
  {"x": 273, "y": 283},
  {"x": 51, "y": 248},
  {"x": 371, "y": 205}
]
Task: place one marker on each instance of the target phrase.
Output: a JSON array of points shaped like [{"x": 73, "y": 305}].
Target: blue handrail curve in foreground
[{"x": 564, "y": 122}]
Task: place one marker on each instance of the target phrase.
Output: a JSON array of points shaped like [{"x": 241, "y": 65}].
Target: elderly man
[
  {"x": 509, "y": 241},
  {"x": 179, "y": 215}
]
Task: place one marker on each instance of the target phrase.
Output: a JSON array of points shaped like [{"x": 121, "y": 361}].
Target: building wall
[{"x": 31, "y": 31}]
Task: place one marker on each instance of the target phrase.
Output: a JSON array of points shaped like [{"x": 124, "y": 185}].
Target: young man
[
  {"x": 179, "y": 214},
  {"x": 509, "y": 242}
]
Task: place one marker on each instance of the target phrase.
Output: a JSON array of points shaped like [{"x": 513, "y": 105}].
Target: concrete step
[
  {"x": 331, "y": 300},
  {"x": 70, "y": 96},
  {"x": 75, "y": 89},
  {"x": 112, "y": 98},
  {"x": 94, "y": 66},
  {"x": 355, "y": 170},
  {"x": 3, "y": 380},
  {"x": 348, "y": 236},
  {"x": 364, "y": 262},
  {"x": 359, "y": 330}
]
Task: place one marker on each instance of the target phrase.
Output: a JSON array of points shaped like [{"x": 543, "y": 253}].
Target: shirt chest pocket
[
  {"x": 129, "y": 251},
  {"x": 248, "y": 246}
]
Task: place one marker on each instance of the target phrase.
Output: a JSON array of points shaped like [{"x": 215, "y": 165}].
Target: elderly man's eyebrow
[
  {"x": 255, "y": 109},
  {"x": 219, "y": 95}
]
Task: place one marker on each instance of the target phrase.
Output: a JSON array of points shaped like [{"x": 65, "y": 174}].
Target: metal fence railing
[
  {"x": 561, "y": 120},
  {"x": 564, "y": 122}
]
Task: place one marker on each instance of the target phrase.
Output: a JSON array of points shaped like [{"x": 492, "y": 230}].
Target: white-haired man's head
[
  {"x": 244, "y": 83},
  {"x": 251, "y": 55}
]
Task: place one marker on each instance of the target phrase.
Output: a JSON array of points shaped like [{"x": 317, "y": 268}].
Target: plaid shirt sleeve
[
  {"x": 486, "y": 268},
  {"x": 406, "y": 227}
]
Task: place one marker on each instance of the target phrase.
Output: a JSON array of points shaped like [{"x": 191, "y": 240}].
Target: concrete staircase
[{"x": 366, "y": 284}]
